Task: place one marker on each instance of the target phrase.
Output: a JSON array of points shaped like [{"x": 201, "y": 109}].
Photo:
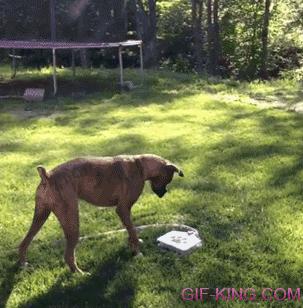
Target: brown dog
[{"x": 106, "y": 181}]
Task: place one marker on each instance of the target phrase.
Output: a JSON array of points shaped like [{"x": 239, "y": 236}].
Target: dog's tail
[{"x": 43, "y": 174}]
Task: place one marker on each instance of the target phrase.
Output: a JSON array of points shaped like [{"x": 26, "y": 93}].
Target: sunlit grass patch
[{"x": 242, "y": 191}]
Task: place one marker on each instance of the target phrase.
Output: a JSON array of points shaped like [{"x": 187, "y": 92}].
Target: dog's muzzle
[{"x": 160, "y": 192}]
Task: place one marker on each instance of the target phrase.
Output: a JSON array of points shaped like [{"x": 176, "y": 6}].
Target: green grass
[{"x": 242, "y": 190}]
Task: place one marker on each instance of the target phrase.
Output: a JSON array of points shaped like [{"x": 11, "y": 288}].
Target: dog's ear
[
  {"x": 174, "y": 168},
  {"x": 43, "y": 174}
]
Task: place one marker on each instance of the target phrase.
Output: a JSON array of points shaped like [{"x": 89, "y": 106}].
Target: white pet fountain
[{"x": 181, "y": 242}]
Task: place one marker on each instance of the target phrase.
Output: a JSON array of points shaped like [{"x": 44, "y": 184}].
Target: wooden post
[
  {"x": 55, "y": 72},
  {"x": 121, "y": 67},
  {"x": 141, "y": 62}
]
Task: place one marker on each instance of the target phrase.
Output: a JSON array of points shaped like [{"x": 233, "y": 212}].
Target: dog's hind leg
[
  {"x": 40, "y": 216},
  {"x": 68, "y": 216}
]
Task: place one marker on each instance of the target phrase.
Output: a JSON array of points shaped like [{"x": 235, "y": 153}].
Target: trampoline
[
  {"x": 53, "y": 45},
  {"x": 58, "y": 30}
]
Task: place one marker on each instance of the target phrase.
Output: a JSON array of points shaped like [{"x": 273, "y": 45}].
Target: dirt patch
[
  {"x": 23, "y": 114},
  {"x": 66, "y": 88},
  {"x": 263, "y": 103},
  {"x": 297, "y": 107}
]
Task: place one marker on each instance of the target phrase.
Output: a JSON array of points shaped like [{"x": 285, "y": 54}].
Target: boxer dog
[{"x": 106, "y": 181}]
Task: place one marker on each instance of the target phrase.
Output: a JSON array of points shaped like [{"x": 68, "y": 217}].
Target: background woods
[
  {"x": 244, "y": 39},
  {"x": 238, "y": 142}
]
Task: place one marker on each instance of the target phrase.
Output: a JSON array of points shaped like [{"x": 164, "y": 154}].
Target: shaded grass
[{"x": 242, "y": 191}]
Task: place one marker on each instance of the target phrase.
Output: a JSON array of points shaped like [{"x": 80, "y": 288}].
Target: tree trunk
[
  {"x": 120, "y": 22},
  {"x": 264, "y": 52},
  {"x": 53, "y": 19},
  {"x": 153, "y": 48},
  {"x": 210, "y": 47},
  {"x": 216, "y": 37},
  {"x": 197, "y": 13},
  {"x": 81, "y": 36},
  {"x": 213, "y": 37},
  {"x": 146, "y": 27},
  {"x": 252, "y": 52}
]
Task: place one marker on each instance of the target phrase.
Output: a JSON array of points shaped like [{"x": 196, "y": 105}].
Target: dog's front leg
[{"x": 123, "y": 210}]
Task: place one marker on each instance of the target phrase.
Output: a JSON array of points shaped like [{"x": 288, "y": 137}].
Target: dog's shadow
[
  {"x": 102, "y": 288},
  {"x": 9, "y": 278}
]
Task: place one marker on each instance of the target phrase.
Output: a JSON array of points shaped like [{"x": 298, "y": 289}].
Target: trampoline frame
[{"x": 56, "y": 45}]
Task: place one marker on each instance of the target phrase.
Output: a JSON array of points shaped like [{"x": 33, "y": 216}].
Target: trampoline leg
[
  {"x": 121, "y": 67},
  {"x": 55, "y": 73},
  {"x": 73, "y": 64},
  {"x": 141, "y": 62},
  {"x": 14, "y": 69}
]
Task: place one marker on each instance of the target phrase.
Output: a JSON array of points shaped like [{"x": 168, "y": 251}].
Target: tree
[
  {"x": 198, "y": 37},
  {"x": 244, "y": 39},
  {"x": 264, "y": 52},
  {"x": 216, "y": 36},
  {"x": 146, "y": 28},
  {"x": 213, "y": 35}
]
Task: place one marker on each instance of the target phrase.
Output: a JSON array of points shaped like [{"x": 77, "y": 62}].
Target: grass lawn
[{"x": 242, "y": 190}]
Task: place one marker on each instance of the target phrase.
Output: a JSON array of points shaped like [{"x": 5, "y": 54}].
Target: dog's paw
[{"x": 141, "y": 241}]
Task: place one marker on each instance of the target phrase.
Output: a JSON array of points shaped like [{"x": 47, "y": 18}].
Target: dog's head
[{"x": 163, "y": 177}]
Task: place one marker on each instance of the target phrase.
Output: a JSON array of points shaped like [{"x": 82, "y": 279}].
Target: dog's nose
[{"x": 162, "y": 193}]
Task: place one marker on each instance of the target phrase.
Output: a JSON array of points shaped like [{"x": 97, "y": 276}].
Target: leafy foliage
[
  {"x": 169, "y": 32},
  {"x": 240, "y": 35}
]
